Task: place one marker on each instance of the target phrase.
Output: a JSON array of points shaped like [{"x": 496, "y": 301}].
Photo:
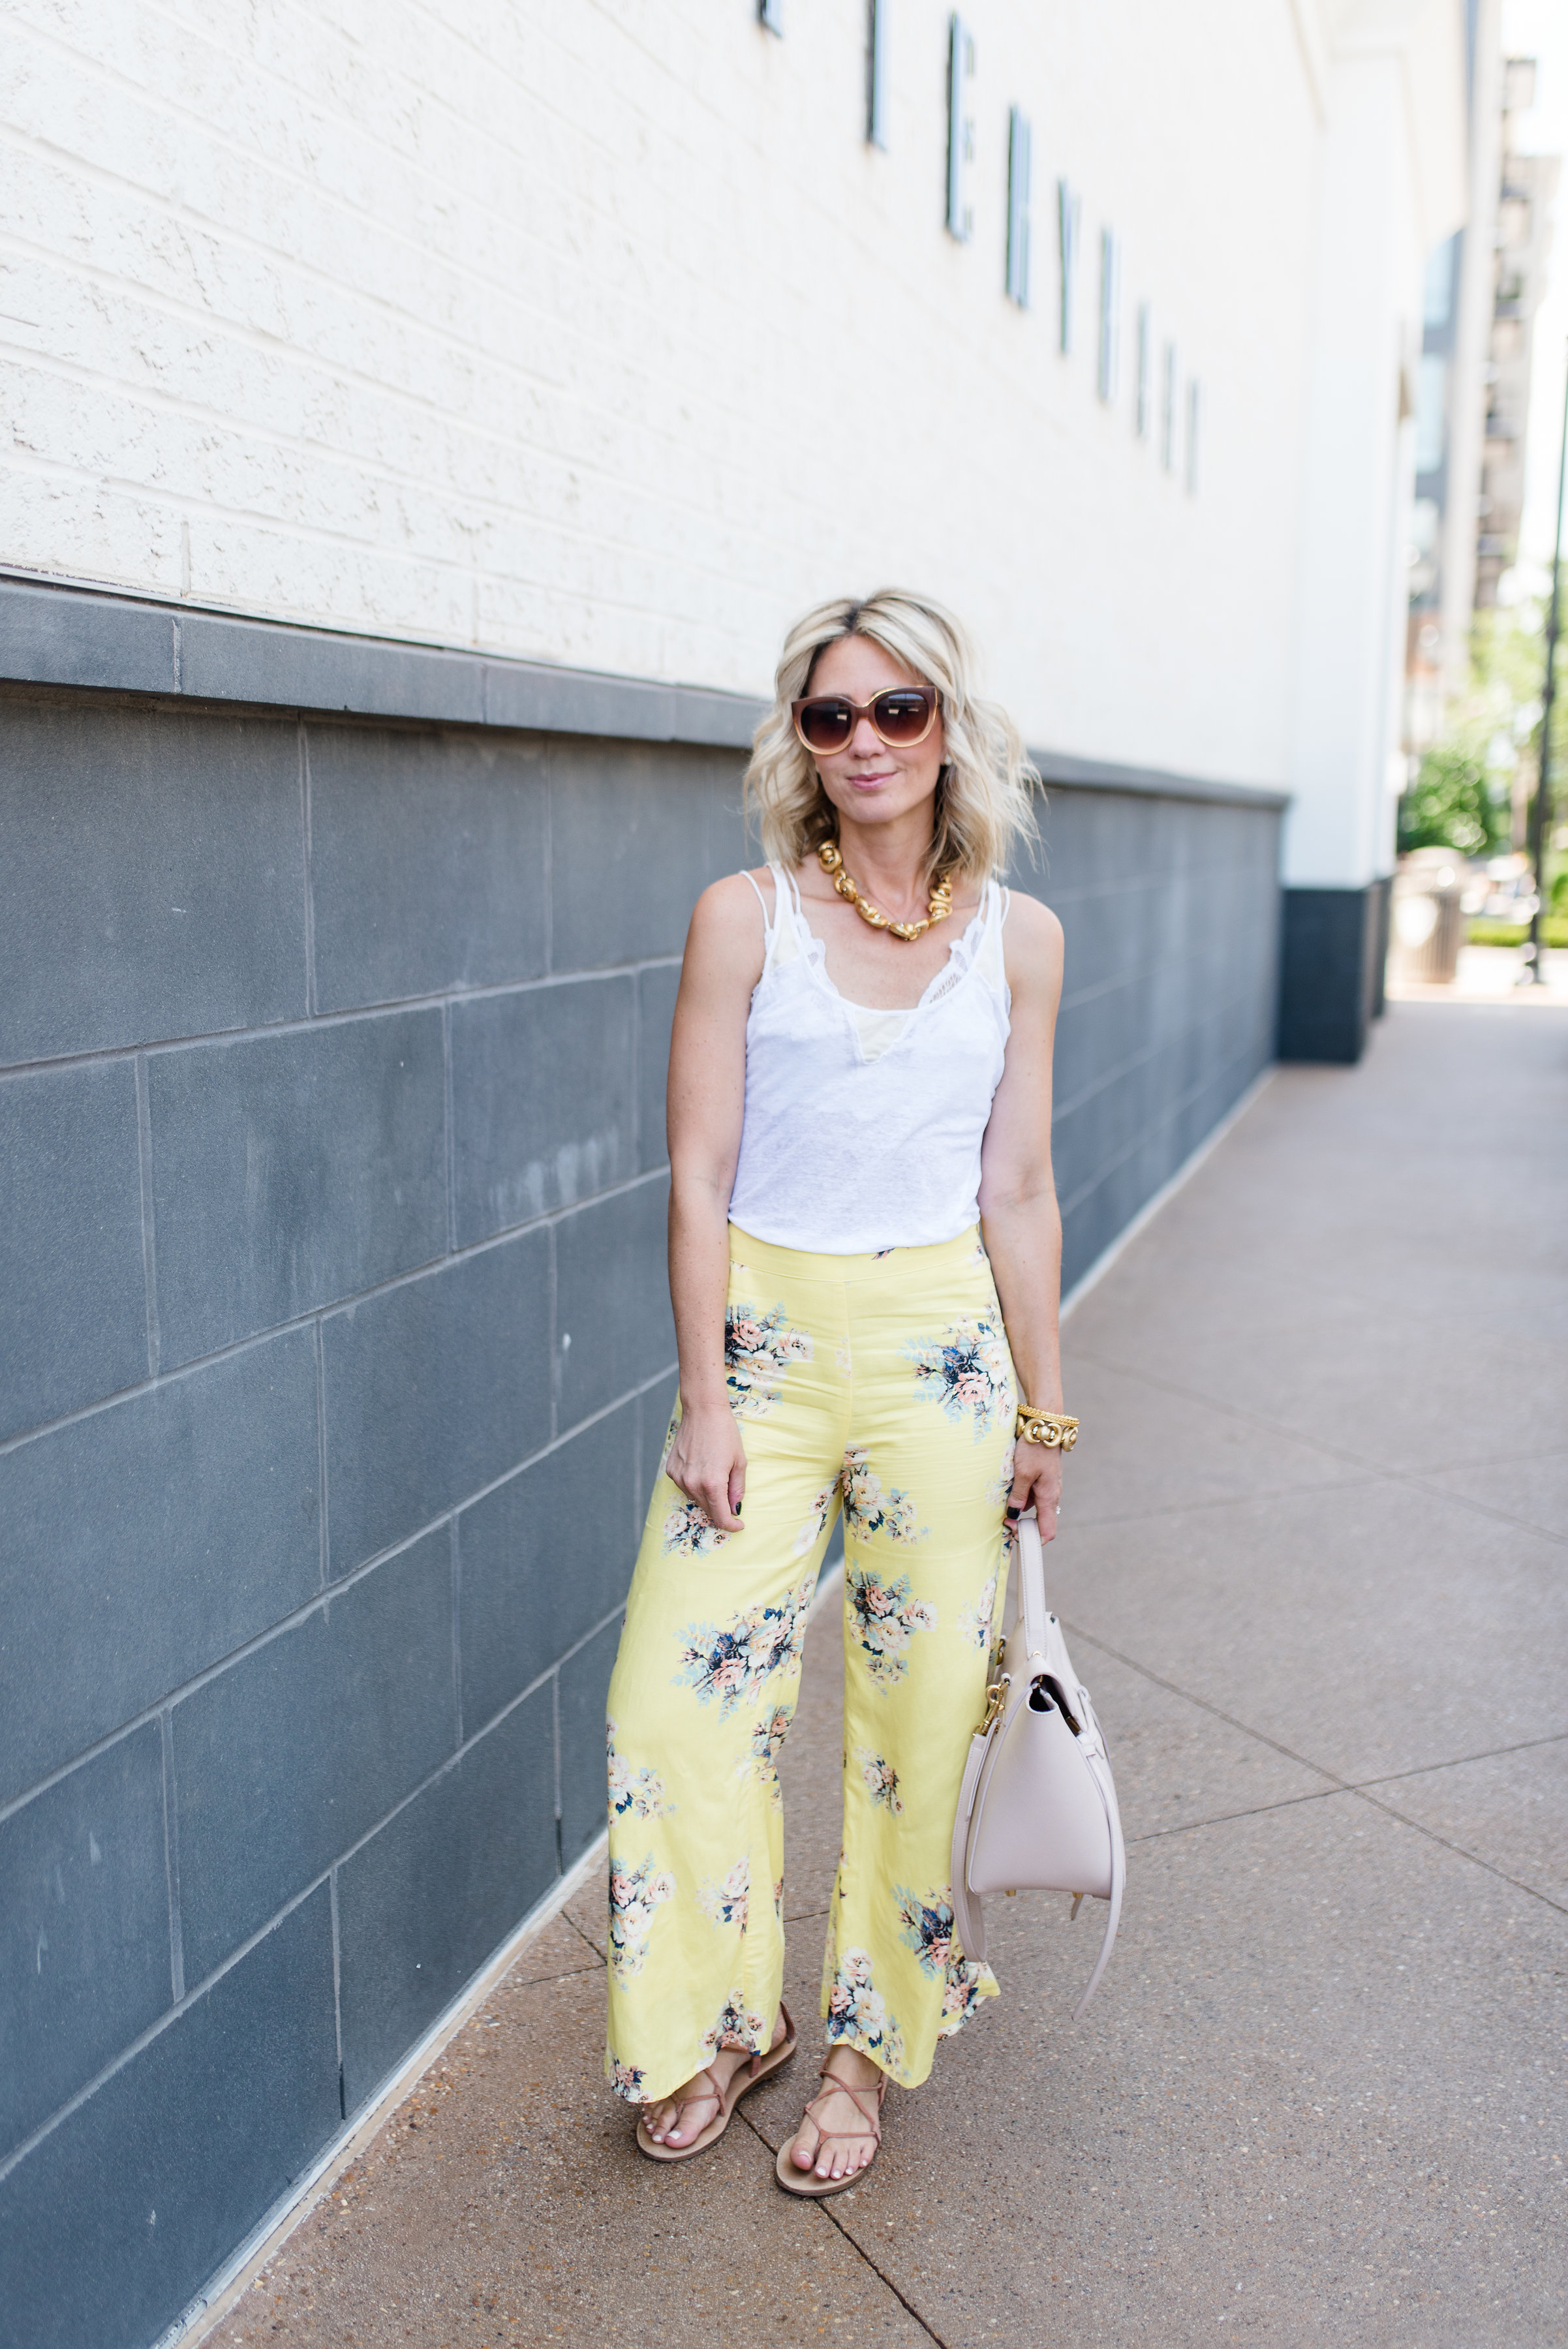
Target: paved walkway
[{"x": 1313, "y": 1560}]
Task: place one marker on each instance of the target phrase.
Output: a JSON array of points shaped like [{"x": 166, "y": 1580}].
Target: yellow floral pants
[{"x": 881, "y": 1385}]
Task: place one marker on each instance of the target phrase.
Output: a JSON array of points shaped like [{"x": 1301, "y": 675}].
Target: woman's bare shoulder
[
  {"x": 727, "y": 927},
  {"x": 1030, "y": 920},
  {"x": 731, "y": 904},
  {"x": 1032, "y": 942}
]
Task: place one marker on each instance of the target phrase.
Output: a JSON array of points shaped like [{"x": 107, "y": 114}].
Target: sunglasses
[{"x": 901, "y": 715}]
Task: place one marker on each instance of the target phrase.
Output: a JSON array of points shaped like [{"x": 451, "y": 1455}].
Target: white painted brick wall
[{"x": 594, "y": 330}]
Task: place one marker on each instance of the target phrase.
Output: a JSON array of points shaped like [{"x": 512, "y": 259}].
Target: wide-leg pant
[{"x": 881, "y": 1385}]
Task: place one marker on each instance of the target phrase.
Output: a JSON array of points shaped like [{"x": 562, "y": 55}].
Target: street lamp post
[{"x": 1540, "y": 814}]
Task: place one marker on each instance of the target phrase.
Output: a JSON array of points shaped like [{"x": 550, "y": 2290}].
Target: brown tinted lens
[
  {"x": 825, "y": 725},
  {"x": 900, "y": 714}
]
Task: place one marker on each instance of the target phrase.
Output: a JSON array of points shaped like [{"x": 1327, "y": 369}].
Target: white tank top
[{"x": 862, "y": 1128}]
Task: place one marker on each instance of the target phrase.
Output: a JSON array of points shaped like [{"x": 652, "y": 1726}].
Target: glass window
[
  {"x": 1431, "y": 399},
  {"x": 1438, "y": 296}
]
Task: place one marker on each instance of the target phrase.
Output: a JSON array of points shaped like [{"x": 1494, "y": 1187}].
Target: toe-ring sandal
[
  {"x": 796, "y": 2180},
  {"x": 742, "y": 2082}
]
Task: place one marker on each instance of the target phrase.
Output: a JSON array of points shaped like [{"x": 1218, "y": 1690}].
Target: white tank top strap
[
  {"x": 991, "y": 962},
  {"x": 785, "y": 945}
]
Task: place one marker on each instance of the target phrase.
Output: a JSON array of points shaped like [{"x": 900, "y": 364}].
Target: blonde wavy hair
[{"x": 983, "y": 809}]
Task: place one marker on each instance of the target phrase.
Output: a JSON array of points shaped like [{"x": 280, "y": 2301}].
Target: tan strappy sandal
[
  {"x": 796, "y": 2180},
  {"x": 742, "y": 2082}
]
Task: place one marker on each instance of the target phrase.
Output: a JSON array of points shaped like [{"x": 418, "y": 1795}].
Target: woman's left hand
[{"x": 1037, "y": 1485}]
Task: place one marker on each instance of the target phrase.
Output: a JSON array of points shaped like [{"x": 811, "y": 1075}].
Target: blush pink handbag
[{"x": 1037, "y": 1809}]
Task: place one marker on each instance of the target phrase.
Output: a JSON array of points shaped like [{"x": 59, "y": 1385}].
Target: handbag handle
[{"x": 1032, "y": 1587}]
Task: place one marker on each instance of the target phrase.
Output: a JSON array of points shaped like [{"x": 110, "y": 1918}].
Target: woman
[{"x": 859, "y": 1075}]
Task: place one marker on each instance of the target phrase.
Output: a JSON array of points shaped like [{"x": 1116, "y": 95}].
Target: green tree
[{"x": 1452, "y": 803}]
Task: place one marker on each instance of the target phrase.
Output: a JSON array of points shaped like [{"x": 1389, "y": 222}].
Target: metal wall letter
[
  {"x": 1067, "y": 213},
  {"x": 961, "y": 131},
  {"x": 1107, "y": 351},
  {"x": 877, "y": 14},
  {"x": 1018, "y": 161}
]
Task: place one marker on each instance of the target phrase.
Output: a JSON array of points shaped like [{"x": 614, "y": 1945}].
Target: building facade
[
  {"x": 1484, "y": 285},
  {"x": 424, "y": 425}
]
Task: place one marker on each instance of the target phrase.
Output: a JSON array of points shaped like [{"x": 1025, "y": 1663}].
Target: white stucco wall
[
  {"x": 1392, "y": 186},
  {"x": 597, "y": 333}
]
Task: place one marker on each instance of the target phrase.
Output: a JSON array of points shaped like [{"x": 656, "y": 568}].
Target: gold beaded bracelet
[{"x": 1051, "y": 1428}]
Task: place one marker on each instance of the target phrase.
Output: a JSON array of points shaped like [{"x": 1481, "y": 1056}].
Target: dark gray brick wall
[
  {"x": 1171, "y": 910},
  {"x": 331, "y": 1239},
  {"x": 337, "y": 1363}
]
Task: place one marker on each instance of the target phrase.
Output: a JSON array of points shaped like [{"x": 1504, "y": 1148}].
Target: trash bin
[{"x": 1429, "y": 919}]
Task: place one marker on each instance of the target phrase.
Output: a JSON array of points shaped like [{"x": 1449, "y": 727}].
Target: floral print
[
  {"x": 811, "y": 1531},
  {"x": 1000, "y": 1484},
  {"x": 927, "y": 1919},
  {"x": 857, "y": 2013},
  {"x": 640, "y": 1791},
  {"x": 727, "y": 1903},
  {"x": 967, "y": 1371},
  {"x": 634, "y": 1893},
  {"x": 881, "y": 1781},
  {"x": 885, "y": 1619},
  {"x": 689, "y": 1533},
  {"x": 736, "y": 2020},
  {"x": 733, "y": 1662},
  {"x": 625, "y": 2079},
  {"x": 928, "y": 1927},
  {"x": 867, "y": 1509},
  {"x": 758, "y": 1350},
  {"x": 962, "y": 1993},
  {"x": 767, "y": 1743},
  {"x": 974, "y": 1622}
]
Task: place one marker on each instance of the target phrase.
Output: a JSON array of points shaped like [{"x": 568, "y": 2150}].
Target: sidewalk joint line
[
  {"x": 858, "y": 2249},
  {"x": 1530, "y": 1891},
  {"x": 1359, "y": 1786},
  {"x": 584, "y": 1936},
  {"x": 1414, "y": 1479},
  {"x": 1225, "y": 1819}
]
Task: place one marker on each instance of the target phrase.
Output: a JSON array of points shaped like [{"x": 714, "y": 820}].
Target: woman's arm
[
  {"x": 706, "y": 1100},
  {"x": 1018, "y": 1212}
]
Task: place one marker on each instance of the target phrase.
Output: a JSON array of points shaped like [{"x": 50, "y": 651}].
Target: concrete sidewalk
[{"x": 1314, "y": 1563}]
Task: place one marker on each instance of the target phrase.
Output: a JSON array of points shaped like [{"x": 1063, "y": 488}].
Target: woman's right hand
[{"x": 707, "y": 1461}]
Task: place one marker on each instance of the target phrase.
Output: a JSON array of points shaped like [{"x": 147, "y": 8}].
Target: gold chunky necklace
[{"x": 940, "y": 906}]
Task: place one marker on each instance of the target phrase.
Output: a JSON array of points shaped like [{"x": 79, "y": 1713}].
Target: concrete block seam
[
  {"x": 324, "y": 1551},
  {"x": 1105, "y": 1077},
  {"x": 324, "y": 1596},
  {"x": 429, "y": 1270},
  {"x": 308, "y": 876},
  {"x": 337, "y": 1980},
  {"x": 456, "y": 1542},
  {"x": 171, "y": 1858},
  {"x": 449, "y": 1157},
  {"x": 388, "y": 1008},
  {"x": 326, "y": 1875},
  {"x": 148, "y": 1238},
  {"x": 1102, "y": 1175},
  {"x": 550, "y": 1673},
  {"x": 229, "y": 2281}
]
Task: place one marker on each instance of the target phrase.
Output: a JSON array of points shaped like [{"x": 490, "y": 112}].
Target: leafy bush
[
  {"x": 1451, "y": 804},
  {"x": 1482, "y": 933}
]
